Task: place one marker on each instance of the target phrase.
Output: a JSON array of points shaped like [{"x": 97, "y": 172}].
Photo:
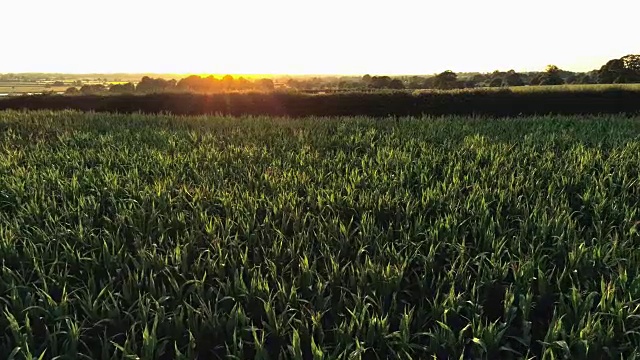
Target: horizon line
[{"x": 273, "y": 74}]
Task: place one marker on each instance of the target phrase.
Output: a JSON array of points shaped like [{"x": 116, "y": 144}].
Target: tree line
[
  {"x": 616, "y": 71},
  {"x": 193, "y": 83}
]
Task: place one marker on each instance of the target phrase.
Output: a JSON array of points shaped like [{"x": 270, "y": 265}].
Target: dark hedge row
[{"x": 495, "y": 103}]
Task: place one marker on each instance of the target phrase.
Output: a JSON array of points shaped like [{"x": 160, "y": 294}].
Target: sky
[{"x": 313, "y": 37}]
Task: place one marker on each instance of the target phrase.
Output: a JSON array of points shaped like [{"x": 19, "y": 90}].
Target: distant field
[
  {"x": 32, "y": 87},
  {"x": 164, "y": 237},
  {"x": 27, "y": 88},
  {"x": 546, "y": 88},
  {"x": 580, "y": 87}
]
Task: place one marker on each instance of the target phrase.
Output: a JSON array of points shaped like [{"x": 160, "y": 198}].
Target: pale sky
[{"x": 313, "y": 37}]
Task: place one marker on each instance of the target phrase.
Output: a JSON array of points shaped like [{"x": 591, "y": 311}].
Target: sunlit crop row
[{"x": 159, "y": 237}]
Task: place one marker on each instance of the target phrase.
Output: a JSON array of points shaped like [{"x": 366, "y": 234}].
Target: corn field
[{"x": 164, "y": 237}]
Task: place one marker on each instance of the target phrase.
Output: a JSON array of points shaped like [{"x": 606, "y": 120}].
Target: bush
[
  {"x": 497, "y": 82},
  {"x": 72, "y": 91},
  {"x": 489, "y": 102}
]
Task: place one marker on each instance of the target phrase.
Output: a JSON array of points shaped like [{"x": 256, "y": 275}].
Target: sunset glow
[{"x": 300, "y": 37}]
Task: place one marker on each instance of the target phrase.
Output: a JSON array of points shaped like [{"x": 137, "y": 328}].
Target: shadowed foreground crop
[
  {"x": 530, "y": 101},
  {"x": 174, "y": 238}
]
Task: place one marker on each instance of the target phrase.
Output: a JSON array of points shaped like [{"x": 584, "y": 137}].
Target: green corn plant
[{"x": 150, "y": 236}]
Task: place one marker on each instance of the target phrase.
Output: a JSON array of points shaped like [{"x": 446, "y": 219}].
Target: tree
[
  {"x": 346, "y": 84},
  {"x": 265, "y": 84},
  {"x": 623, "y": 70},
  {"x": 243, "y": 84},
  {"x": 610, "y": 71},
  {"x": 469, "y": 83},
  {"x": 380, "y": 82},
  {"x": 72, "y": 91},
  {"x": 446, "y": 80},
  {"x": 93, "y": 89},
  {"x": 513, "y": 79},
  {"x": 478, "y": 78},
  {"x": 227, "y": 82},
  {"x": 551, "y": 76},
  {"x": 149, "y": 85},
  {"x": 127, "y": 88},
  {"x": 196, "y": 84},
  {"x": 552, "y": 80},
  {"x": 536, "y": 80},
  {"x": 496, "y": 82},
  {"x": 552, "y": 69},
  {"x": 396, "y": 84},
  {"x": 631, "y": 62},
  {"x": 366, "y": 79},
  {"x": 586, "y": 79},
  {"x": 429, "y": 83},
  {"x": 416, "y": 82},
  {"x": 572, "y": 79},
  {"x": 497, "y": 74}
]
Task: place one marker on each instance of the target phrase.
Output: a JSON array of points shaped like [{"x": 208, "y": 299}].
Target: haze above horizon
[{"x": 329, "y": 37}]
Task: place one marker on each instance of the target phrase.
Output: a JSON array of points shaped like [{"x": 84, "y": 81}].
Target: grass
[
  {"x": 577, "y": 87},
  {"x": 162, "y": 237},
  {"x": 567, "y": 88},
  {"x": 34, "y": 88}
]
